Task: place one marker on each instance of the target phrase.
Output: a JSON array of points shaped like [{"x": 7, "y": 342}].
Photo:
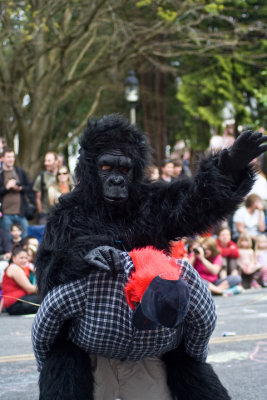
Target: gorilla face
[{"x": 116, "y": 174}]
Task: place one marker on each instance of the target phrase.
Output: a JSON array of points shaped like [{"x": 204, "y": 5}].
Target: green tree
[
  {"x": 235, "y": 76},
  {"x": 63, "y": 61}
]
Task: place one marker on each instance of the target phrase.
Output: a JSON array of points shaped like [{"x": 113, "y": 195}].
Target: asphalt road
[{"x": 240, "y": 359}]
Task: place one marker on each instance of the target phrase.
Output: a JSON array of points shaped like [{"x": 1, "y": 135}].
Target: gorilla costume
[{"x": 112, "y": 211}]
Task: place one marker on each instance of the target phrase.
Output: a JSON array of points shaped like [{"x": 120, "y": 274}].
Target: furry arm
[{"x": 188, "y": 207}]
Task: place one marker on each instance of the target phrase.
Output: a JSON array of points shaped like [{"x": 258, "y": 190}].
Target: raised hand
[{"x": 247, "y": 146}]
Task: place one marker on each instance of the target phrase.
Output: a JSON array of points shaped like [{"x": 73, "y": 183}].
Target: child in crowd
[
  {"x": 261, "y": 258},
  {"x": 18, "y": 292},
  {"x": 229, "y": 252},
  {"x": 247, "y": 261},
  {"x": 207, "y": 260},
  {"x": 31, "y": 244},
  {"x": 33, "y": 241},
  {"x": 16, "y": 233}
]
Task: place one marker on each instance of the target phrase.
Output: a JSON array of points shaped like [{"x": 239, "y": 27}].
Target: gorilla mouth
[{"x": 115, "y": 200}]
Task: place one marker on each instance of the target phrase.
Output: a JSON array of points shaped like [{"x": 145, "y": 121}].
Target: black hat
[{"x": 165, "y": 302}]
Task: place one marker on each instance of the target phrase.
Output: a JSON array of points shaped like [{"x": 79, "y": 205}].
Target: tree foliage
[
  {"x": 236, "y": 78},
  {"x": 63, "y": 61}
]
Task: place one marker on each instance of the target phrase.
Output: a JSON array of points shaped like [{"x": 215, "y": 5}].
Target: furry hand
[
  {"x": 246, "y": 147},
  {"x": 106, "y": 258}
]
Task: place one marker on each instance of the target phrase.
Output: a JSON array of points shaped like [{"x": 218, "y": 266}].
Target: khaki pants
[{"x": 130, "y": 380}]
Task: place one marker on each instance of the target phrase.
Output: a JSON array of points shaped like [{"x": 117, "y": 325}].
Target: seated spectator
[
  {"x": 61, "y": 186},
  {"x": 249, "y": 218},
  {"x": 5, "y": 252},
  {"x": 16, "y": 233},
  {"x": 247, "y": 262},
  {"x": 18, "y": 292},
  {"x": 31, "y": 244},
  {"x": 261, "y": 258},
  {"x": 33, "y": 241},
  {"x": 207, "y": 260},
  {"x": 31, "y": 252},
  {"x": 229, "y": 252},
  {"x": 41, "y": 185}
]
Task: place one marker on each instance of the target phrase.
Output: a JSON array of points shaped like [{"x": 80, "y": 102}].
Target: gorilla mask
[
  {"x": 107, "y": 136},
  {"x": 115, "y": 171}
]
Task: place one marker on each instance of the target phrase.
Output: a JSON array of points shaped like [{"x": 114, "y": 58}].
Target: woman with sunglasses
[{"x": 61, "y": 186}]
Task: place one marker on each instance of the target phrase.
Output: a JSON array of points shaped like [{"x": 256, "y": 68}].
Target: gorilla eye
[
  {"x": 124, "y": 170},
  {"x": 106, "y": 168}
]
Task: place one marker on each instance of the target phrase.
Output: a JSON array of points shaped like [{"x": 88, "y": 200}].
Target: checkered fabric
[{"x": 101, "y": 320}]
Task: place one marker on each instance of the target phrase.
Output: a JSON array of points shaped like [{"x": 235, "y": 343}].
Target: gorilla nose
[{"x": 118, "y": 180}]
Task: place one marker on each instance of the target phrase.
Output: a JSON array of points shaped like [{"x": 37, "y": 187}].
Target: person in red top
[
  {"x": 18, "y": 292},
  {"x": 229, "y": 251},
  {"x": 207, "y": 260}
]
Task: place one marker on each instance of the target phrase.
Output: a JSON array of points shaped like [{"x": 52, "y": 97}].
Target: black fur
[
  {"x": 154, "y": 214},
  {"x": 189, "y": 379},
  {"x": 66, "y": 374}
]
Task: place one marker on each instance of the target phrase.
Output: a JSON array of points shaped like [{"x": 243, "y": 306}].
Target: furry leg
[
  {"x": 189, "y": 379},
  {"x": 66, "y": 374}
]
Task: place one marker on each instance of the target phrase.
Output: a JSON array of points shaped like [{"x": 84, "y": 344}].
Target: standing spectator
[
  {"x": 177, "y": 168},
  {"x": 61, "y": 186},
  {"x": 17, "y": 287},
  {"x": 261, "y": 258},
  {"x": 41, "y": 185},
  {"x": 61, "y": 160},
  {"x": 152, "y": 173},
  {"x": 167, "y": 171},
  {"x": 14, "y": 184},
  {"x": 229, "y": 252},
  {"x": 250, "y": 218},
  {"x": 16, "y": 234},
  {"x": 2, "y": 146},
  {"x": 207, "y": 260},
  {"x": 5, "y": 252},
  {"x": 247, "y": 261},
  {"x": 186, "y": 163}
]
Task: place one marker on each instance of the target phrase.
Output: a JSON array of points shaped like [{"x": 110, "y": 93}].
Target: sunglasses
[{"x": 62, "y": 173}]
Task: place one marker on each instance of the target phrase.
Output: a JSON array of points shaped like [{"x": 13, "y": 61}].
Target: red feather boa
[{"x": 149, "y": 263}]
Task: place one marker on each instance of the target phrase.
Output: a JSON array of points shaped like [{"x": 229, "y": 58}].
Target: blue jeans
[{"x": 9, "y": 219}]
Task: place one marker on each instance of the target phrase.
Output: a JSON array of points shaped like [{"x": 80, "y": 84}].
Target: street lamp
[{"x": 131, "y": 85}]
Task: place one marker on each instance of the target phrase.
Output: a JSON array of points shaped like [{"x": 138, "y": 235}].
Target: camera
[{"x": 196, "y": 251}]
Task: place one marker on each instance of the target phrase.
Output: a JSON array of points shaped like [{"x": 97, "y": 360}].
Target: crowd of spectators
[{"x": 18, "y": 245}]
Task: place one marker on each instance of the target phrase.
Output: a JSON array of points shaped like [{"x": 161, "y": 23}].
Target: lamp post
[{"x": 131, "y": 85}]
